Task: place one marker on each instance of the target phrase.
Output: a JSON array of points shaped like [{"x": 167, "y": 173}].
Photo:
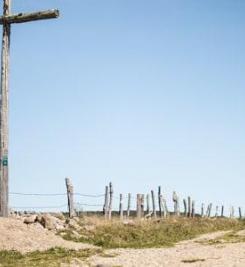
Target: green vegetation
[
  {"x": 52, "y": 257},
  {"x": 147, "y": 234}
]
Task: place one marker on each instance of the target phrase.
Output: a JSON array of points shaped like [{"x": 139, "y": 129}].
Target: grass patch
[
  {"x": 147, "y": 234},
  {"x": 53, "y": 257}
]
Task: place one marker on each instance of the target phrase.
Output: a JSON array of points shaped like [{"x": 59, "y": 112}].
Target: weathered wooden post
[
  {"x": 159, "y": 201},
  {"x": 69, "y": 189},
  {"x": 111, "y": 199},
  {"x": 185, "y": 207},
  {"x": 6, "y": 20},
  {"x": 222, "y": 211},
  {"x": 209, "y": 209},
  {"x": 232, "y": 211},
  {"x": 121, "y": 207},
  {"x": 142, "y": 204},
  {"x": 193, "y": 208},
  {"x": 164, "y": 207},
  {"x": 138, "y": 206},
  {"x": 189, "y": 207},
  {"x": 153, "y": 204},
  {"x": 216, "y": 211},
  {"x": 105, "y": 207},
  {"x": 240, "y": 212},
  {"x": 202, "y": 210},
  {"x": 129, "y": 204},
  {"x": 176, "y": 204},
  {"x": 147, "y": 204}
]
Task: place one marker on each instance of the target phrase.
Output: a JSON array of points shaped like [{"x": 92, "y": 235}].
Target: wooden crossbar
[{"x": 27, "y": 17}]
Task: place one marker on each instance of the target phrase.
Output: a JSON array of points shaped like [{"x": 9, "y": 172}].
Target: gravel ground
[{"x": 223, "y": 255}]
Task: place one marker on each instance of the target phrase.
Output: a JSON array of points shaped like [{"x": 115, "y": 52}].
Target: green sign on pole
[{"x": 5, "y": 161}]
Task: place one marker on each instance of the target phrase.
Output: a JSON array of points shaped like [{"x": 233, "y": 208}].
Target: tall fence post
[
  {"x": 138, "y": 206},
  {"x": 209, "y": 209},
  {"x": 240, "y": 212},
  {"x": 202, "y": 210},
  {"x": 153, "y": 204},
  {"x": 164, "y": 207},
  {"x": 142, "y": 204},
  {"x": 222, "y": 211},
  {"x": 121, "y": 207},
  {"x": 216, "y": 211},
  {"x": 189, "y": 207},
  {"x": 69, "y": 189},
  {"x": 193, "y": 208},
  {"x": 159, "y": 201},
  {"x": 105, "y": 207},
  {"x": 129, "y": 204},
  {"x": 147, "y": 204},
  {"x": 110, "y": 201},
  {"x": 232, "y": 211},
  {"x": 176, "y": 204},
  {"x": 185, "y": 207}
]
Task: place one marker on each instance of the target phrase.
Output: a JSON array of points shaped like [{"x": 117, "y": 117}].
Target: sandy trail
[{"x": 225, "y": 255}]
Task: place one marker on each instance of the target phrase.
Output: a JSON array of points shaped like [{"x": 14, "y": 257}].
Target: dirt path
[{"x": 223, "y": 255}]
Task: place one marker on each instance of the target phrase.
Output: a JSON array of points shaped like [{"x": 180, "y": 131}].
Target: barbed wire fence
[{"x": 143, "y": 205}]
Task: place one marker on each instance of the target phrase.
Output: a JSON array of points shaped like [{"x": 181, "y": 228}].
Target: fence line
[{"x": 151, "y": 204}]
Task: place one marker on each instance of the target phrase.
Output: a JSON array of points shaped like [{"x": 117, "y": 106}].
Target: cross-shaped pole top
[
  {"x": 6, "y": 20},
  {"x": 25, "y": 17}
]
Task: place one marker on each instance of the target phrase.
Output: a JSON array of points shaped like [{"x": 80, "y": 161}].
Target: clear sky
[{"x": 140, "y": 93}]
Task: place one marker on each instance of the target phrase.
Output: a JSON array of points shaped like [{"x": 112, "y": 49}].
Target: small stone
[{"x": 30, "y": 219}]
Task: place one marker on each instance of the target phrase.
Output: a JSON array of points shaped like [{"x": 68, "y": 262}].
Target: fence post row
[
  {"x": 189, "y": 205},
  {"x": 69, "y": 189}
]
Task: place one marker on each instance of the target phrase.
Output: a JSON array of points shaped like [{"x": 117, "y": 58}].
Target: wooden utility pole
[{"x": 6, "y": 20}]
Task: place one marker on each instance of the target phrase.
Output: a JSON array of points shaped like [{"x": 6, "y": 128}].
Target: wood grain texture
[
  {"x": 28, "y": 17},
  {"x": 4, "y": 102}
]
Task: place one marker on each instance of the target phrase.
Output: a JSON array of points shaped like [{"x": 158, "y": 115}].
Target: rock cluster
[{"x": 51, "y": 222}]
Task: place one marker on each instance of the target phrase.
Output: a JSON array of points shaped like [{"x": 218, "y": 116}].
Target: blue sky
[{"x": 140, "y": 93}]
